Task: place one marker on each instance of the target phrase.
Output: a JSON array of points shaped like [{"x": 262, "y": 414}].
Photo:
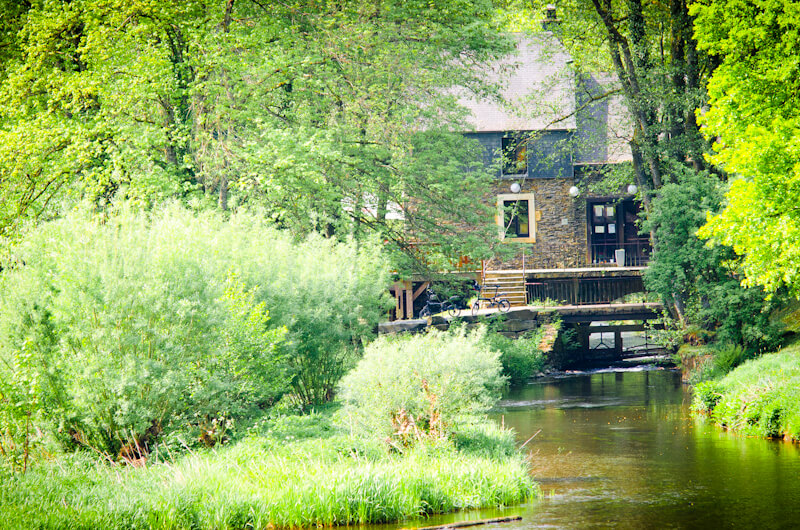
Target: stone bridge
[{"x": 589, "y": 321}]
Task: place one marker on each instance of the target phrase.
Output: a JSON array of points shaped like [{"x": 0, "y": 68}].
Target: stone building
[{"x": 550, "y": 140}]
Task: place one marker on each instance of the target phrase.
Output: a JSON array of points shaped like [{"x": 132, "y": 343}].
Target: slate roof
[
  {"x": 541, "y": 92},
  {"x": 538, "y": 93}
]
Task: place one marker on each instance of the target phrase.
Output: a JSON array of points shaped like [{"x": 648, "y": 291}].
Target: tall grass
[
  {"x": 258, "y": 484},
  {"x": 760, "y": 397}
]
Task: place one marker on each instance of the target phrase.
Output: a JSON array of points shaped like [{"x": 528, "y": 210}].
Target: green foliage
[
  {"x": 487, "y": 440},
  {"x": 701, "y": 282},
  {"x": 759, "y": 398},
  {"x": 658, "y": 75},
  {"x": 259, "y": 484},
  {"x": 115, "y": 330},
  {"x": 521, "y": 357},
  {"x": 427, "y": 383},
  {"x": 706, "y": 396},
  {"x": 754, "y": 114},
  {"x": 729, "y": 356},
  {"x": 314, "y": 111},
  {"x": 252, "y": 352}
]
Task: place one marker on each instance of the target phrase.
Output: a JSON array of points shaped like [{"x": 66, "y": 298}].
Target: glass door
[{"x": 604, "y": 228}]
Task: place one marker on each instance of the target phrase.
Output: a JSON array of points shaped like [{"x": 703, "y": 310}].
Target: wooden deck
[{"x": 592, "y": 287}]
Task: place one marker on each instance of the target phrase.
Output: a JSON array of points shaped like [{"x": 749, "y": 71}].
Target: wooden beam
[
  {"x": 420, "y": 289},
  {"x": 462, "y": 524},
  {"x": 409, "y": 312}
]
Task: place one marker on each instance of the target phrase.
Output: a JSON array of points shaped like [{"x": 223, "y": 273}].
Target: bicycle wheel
[
  {"x": 475, "y": 307},
  {"x": 504, "y": 305},
  {"x": 425, "y": 313},
  {"x": 453, "y": 310}
]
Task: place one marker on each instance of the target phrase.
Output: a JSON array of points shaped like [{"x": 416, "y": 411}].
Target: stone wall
[
  {"x": 561, "y": 221},
  {"x": 514, "y": 324},
  {"x": 560, "y": 227}
]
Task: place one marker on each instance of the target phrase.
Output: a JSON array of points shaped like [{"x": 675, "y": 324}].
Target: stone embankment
[{"x": 514, "y": 323}]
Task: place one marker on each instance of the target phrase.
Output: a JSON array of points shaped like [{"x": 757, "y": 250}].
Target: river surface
[{"x": 619, "y": 449}]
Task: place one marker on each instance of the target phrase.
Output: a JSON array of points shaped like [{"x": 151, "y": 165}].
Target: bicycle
[
  {"x": 492, "y": 301},
  {"x": 433, "y": 305}
]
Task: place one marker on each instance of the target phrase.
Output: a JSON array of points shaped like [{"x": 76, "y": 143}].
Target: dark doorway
[{"x": 613, "y": 226}]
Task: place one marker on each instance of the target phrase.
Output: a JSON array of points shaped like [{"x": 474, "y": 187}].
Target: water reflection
[{"x": 619, "y": 449}]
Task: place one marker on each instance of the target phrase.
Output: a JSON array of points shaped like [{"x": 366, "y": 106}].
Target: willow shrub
[
  {"x": 116, "y": 331},
  {"x": 422, "y": 385}
]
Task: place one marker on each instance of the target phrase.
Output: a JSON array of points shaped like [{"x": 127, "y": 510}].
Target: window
[
  {"x": 515, "y": 155},
  {"x": 516, "y": 217}
]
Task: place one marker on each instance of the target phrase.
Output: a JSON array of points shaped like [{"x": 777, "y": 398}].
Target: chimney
[{"x": 551, "y": 21}]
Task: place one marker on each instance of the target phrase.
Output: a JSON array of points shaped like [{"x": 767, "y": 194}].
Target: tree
[
  {"x": 754, "y": 113},
  {"x": 659, "y": 68},
  {"x": 329, "y": 115},
  {"x": 651, "y": 52},
  {"x": 705, "y": 279},
  {"x": 656, "y": 66}
]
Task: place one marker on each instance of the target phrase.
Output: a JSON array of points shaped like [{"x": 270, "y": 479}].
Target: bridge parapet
[{"x": 521, "y": 319}]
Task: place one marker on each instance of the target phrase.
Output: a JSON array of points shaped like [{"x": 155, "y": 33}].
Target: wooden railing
[
  {"x": 582, "y": 291},
  {"x": 637, "y": 253}
]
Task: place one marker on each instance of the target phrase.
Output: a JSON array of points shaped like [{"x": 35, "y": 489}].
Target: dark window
[
  {"x": 515, "y": 218},
  {"x": 515, "y": 155}
]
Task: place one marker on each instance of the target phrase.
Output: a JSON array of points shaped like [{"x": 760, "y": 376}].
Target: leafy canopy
[
  {"x": 329, "y": 115},
  {"x": 755, "y": 115}
]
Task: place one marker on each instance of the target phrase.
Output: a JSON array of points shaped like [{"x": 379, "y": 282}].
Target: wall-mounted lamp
[
  {"x": 632, "y": 189},
  {"x": 574, "y": 191},
  {"x": 515, "y": 187}
]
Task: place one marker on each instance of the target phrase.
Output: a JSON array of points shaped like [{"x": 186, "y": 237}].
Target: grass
[
  {"x": 274, "y": 480},
  {"x": 760, "y": 397}
]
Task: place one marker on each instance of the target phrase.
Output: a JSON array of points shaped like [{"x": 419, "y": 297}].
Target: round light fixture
[
  {"x": 574, "y": 191},
  {"x": 515, "y": 187},
  {"x": 632, "y": 189}
]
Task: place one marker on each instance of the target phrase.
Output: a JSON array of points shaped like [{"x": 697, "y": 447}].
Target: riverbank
[
  {"x": 759, "y": 398},
  {"x": 302, "y": 473}
]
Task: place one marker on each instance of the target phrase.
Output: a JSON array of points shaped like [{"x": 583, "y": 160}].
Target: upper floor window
[{"x": 515, "y": 155}]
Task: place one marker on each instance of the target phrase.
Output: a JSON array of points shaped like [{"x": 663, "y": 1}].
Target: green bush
[
  {"x": 521, "y": 357},
  {"x": 423, "y": 384},
  {"x": 703, "y": 280},
  {"x": 113, "y": 331},
  {"x": 729, "y": 356},
  {"x": 706, "y": 396}
]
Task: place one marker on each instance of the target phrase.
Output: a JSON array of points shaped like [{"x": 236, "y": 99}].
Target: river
[{"x": 620, "y": 449}]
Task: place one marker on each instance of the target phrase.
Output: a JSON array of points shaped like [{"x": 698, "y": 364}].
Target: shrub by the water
[
  {"x": 428, "y": 383},
  {"x": 115, "y": 331},
  {"x": 521, "y": 357},
  {"x": 699, "y": 281}
]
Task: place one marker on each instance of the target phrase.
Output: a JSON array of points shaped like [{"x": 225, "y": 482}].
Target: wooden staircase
[{"x": 512, "y": 284}]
